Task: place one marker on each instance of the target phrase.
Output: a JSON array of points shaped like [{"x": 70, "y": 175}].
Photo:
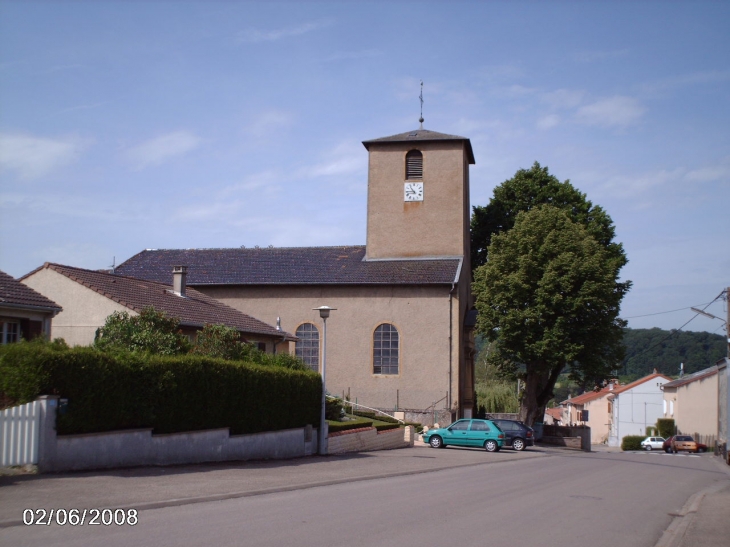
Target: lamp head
[{"x": 324, "y": 311}]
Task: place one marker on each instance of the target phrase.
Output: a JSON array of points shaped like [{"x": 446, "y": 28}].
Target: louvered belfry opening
[{"x": 414, "y": 165}]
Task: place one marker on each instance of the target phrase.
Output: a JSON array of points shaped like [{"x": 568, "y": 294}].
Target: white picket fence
[{"x": 19, "y": 434}]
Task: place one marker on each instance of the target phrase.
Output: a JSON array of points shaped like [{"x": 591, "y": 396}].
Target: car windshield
[{"x": 682, "y": 438}]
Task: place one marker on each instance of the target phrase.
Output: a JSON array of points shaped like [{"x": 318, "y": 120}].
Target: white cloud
[
  {"x": 343, "y": 159},
  {"x": 548, "y": 122},
  {"x": 252, "y": 35},
  {"x": 709, "y": 174},
  {"x": 617, "y": 111},
  {"x": 32, "y": 157},
  {"x": 160, "y": 149}
]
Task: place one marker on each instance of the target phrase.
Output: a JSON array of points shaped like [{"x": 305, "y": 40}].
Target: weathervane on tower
[{"x": 421, "y": 97}]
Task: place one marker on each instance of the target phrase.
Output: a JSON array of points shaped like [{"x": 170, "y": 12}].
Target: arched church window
[
  {"x": 307, "y": 347},
  {"x": 385, "y": 349},
  {"x": 414, "y": 165}
]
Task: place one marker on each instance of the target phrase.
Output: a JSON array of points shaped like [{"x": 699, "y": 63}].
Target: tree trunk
[{"x": 539, "y": 384}]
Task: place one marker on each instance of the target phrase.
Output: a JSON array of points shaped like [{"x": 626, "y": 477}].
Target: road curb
[{"x": 673, "y": 536}]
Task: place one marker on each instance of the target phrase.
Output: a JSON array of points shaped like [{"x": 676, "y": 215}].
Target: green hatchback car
[{"x": 481, "y": 433}]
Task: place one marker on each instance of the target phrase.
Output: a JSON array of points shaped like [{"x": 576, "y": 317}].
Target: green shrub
[
  {"x": 666, "y": 427},
  {"x": 333, "y": 408},
  {"x": 631, "y": 442},
  {"x": 150, "y": 331},
  {"x": 123, "y": 390}
]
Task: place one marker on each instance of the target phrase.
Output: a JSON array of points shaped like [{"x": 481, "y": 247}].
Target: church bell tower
[{"x": 418, "y": 196}]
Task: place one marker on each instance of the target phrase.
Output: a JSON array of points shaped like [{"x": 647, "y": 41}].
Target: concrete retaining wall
[
  {"x": 568, "y": 442},
  {"x": 140, "y": 447},
  {"x": 552, "y": 434},
  {"x": 363, "y": 440}
]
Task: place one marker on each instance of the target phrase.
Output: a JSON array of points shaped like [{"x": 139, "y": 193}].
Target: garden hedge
[
  {"x": 108, "y": 392},
  {"x": 665, "y": 427},
  {"x": 632, "y": 442}
]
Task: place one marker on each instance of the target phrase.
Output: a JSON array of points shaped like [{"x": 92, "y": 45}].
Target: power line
[
  {"x": 670, "y": 311},
  {"x": 675, "y": 331}
]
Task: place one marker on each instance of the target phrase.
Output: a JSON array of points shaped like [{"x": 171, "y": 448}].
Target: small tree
[{"x": 150, "y": 332}]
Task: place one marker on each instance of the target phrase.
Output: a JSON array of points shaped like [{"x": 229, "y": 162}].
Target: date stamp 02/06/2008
[{"x": 81, "y": 517}]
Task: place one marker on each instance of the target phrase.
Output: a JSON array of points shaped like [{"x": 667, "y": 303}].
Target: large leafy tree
[
  {"x": 549, "y": 297},
  {"x": 528, "y": 189}
]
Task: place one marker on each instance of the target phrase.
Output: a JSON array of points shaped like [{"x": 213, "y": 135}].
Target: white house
[{"x": 636, "y": 406}]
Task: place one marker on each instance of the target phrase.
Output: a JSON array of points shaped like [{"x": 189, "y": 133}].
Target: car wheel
[
  {"x": 491, "y": 446},
  {"x": 701, "y": 450},
  {"x": 668, "y": 450},
  {"x": 436, "y": 442},
  {"x": 647, "y": 447},
  {"x": 518, "y": 444}
]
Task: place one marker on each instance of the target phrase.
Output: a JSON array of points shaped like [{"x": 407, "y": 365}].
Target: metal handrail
[{"x": 346, "y": 403}]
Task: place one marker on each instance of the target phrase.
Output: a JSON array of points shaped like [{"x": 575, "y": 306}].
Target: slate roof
[
  {"x": 688, "y": 379},
  {"x": 14, "y": 294},
  {"x": 423, "y": 135},
  {"x": 195, "y": 309},
  {"x": 288, "y": 266}
]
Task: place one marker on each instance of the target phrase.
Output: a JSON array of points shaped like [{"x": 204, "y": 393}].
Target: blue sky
[{"x": 132, "y": 125}]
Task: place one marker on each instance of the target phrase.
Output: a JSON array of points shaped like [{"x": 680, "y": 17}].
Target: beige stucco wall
[
  {"x": 436, "y": 226},
  {"x": 695, "y": 406},
  {"x": 598, "y": 419},
  {"x": 84, "y": 310},
  {"x": 421, "y": 315}
]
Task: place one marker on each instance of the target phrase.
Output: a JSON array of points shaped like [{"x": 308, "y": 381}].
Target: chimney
[{"x": 179, "y": 273}]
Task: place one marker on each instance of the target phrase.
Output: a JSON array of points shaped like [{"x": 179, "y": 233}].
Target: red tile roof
[
  {"x": 641, "y": 381},
  {"x": 14, "y": 293},
  {"x": 555, "y": 412},
  {"x": 195, "y": 309},
  {"x": 591, "y": 396}
]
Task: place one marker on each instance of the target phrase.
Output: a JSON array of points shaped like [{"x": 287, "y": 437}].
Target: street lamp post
[{"x": 324, "y": 313}]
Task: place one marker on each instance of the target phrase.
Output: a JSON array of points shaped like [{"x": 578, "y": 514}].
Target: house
[
  {"x": 636, "y": 406},
  {"x": 723, "y": 407},
  {"x": 692, "y": 402},
  {"x": 593, "y": 409},
  {"x": 24, "y": 313},
  {"x": 401, "y": 336},
  {"x": 88, "y": 297},
  {"x": 553, "y": 416}
]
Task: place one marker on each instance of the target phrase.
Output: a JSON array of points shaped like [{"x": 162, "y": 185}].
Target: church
[{"x": 400, "y": 338}]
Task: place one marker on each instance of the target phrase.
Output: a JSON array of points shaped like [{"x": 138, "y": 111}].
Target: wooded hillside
[{"x": 649, "y": 349}]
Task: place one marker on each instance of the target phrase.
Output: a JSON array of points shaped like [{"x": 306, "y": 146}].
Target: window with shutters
[
  {"x": 385, "y": 349},
  {"x": 414, "y": 165},
  {"x": 307, "y": 347}
]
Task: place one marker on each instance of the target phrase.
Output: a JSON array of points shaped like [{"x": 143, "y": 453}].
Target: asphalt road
[{"x": 567, "y": 499}]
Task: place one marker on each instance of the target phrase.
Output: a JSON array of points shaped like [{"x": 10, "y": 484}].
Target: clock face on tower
[{"x": 413, "y": 191}]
